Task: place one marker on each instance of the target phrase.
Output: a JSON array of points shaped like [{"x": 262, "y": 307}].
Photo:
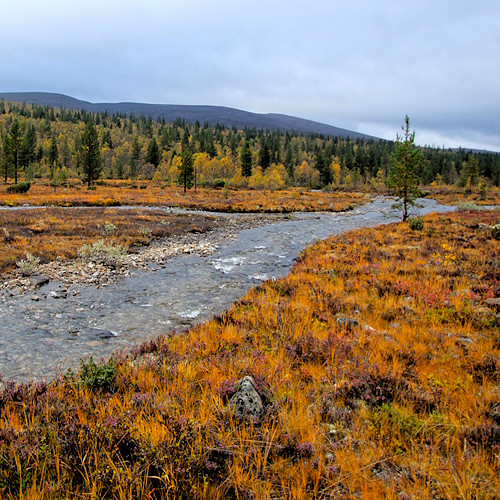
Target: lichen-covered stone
[{"x": 246, "y": 402}]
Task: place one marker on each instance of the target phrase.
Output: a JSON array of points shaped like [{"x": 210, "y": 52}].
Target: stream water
[{"x": 40, "y": 339}]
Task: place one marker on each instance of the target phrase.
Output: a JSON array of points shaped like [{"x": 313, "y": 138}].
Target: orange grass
[
  {"x": 403, "y": 404},
  {"x": 52, "y": 232},
  {"x": 143, "y": 193},
  {"x": 451, "y": 195}
]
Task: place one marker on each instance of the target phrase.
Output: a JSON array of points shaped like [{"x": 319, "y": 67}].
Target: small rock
[
  {"x": 347, "y": 323},
  {"x": 493, "y": 302},
  {"x": 59, "y": 294},
  {"x": 103, "y": 334},
  {"x": 38, "y": 281},
  {"x": 407, "y": 311},
  {"x": 247, "y": 402},
  {"x": 36, "y": 298},
  {"x": 369, "y": 329}
]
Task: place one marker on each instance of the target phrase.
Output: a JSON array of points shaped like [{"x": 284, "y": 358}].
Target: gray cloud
[{"x": 361, "y": 65}]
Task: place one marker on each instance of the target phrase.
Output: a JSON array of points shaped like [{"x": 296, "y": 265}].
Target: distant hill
[{"x": 210, "y": 114}]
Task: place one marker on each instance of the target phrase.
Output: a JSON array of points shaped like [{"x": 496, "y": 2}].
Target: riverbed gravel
[{"x": 93, "y": 272}]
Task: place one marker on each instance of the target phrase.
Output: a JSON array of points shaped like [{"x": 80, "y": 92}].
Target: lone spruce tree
[
  {"x": 90, "y": 153},
  {"x": 403, "y": 176}
]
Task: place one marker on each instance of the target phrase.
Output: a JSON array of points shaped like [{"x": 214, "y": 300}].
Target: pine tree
[
  {"x": 15, "y": 142},
  {"x": 404, "y": 175},
  {"x": 90, "y": 153},
  {"x": 28, "y": 150}
]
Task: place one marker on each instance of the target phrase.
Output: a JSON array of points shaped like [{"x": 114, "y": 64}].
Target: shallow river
[{"x": 40, "y": 339}]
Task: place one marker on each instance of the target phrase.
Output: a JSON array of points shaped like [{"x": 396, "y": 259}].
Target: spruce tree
[
  {"x": 187, "y": 167},
  {"x": 15, "y": 141},
  {"x": 404, "y": 174},
  {"x": 136, "y": 156},
  {"x": 153, "y": 154},
  {"x": 90, "y": 153},
  {"x": 471, "y": 172},
  {"x": 264, "y": 154},
  {"x": 246, "y": 160}
]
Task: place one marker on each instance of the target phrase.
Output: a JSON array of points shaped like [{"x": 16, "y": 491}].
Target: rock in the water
[
  {"x": 59, "y": 294},
  {"x": 38, "y": 281},
  {"x": 247, "y": 402},
  {"x": 103, "y": 334}
]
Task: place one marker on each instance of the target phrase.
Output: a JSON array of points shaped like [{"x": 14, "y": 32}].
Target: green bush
[
  {"x": 94, "y": 375},
  {"x": 20, "y": 187},
  {"x": 416, "y": 224}
]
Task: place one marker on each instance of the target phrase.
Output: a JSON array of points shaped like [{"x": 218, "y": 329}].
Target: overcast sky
[{"x": 360, "y": 65}]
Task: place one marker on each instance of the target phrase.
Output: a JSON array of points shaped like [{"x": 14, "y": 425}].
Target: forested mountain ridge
[
  {"x": 45, "y": 141},
  {"x": 213, "y": 115}
]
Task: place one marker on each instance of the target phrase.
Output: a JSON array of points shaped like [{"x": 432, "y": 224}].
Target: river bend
[{"x": 40, "y": 339}]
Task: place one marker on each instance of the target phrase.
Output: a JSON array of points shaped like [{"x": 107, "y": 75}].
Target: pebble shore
[{"x": 83, "y": 271}]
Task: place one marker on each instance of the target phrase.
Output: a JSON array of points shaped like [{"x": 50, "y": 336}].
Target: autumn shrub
[
  {"x": 20, "y": 187},
  {"x": 100, "y": 251},
  {"x": 94, "y": 375},
  {"x": 28, "y": 265},
  {"x": 416, "y": 224}
]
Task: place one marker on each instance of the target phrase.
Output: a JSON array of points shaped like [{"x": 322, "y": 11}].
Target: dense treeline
[{"x": 41, "y": 141}]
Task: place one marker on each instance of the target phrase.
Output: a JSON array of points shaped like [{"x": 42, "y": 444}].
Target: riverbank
[
  {"x": 374, "y": 369},
  {"x": 146, "y": 237}
]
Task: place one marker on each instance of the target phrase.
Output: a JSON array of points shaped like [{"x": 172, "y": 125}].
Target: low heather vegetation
[
  {"x": 60, "y": 233},
  {"x": 376, "y": 362}
]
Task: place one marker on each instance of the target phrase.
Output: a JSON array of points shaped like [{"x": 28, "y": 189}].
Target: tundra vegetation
[{"x": 376, "y": 361}]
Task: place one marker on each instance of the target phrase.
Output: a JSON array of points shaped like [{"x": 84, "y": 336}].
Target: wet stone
[
  {"x": 247, "y": 403},
  {"x": 103, "y": 334},
  {"x": 38, "y": 281}
]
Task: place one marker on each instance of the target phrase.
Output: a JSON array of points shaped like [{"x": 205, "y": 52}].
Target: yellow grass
[{"x": 112, "y": 193}]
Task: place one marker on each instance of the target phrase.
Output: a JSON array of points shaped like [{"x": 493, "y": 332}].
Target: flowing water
[{"x": 40, "y": 339}]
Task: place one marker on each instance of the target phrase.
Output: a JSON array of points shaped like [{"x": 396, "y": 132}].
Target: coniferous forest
[{"x": 49, "y": 143}]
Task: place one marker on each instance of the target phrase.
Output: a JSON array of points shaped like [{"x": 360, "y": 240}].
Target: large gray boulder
[{"x": 246, "y": 402}]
